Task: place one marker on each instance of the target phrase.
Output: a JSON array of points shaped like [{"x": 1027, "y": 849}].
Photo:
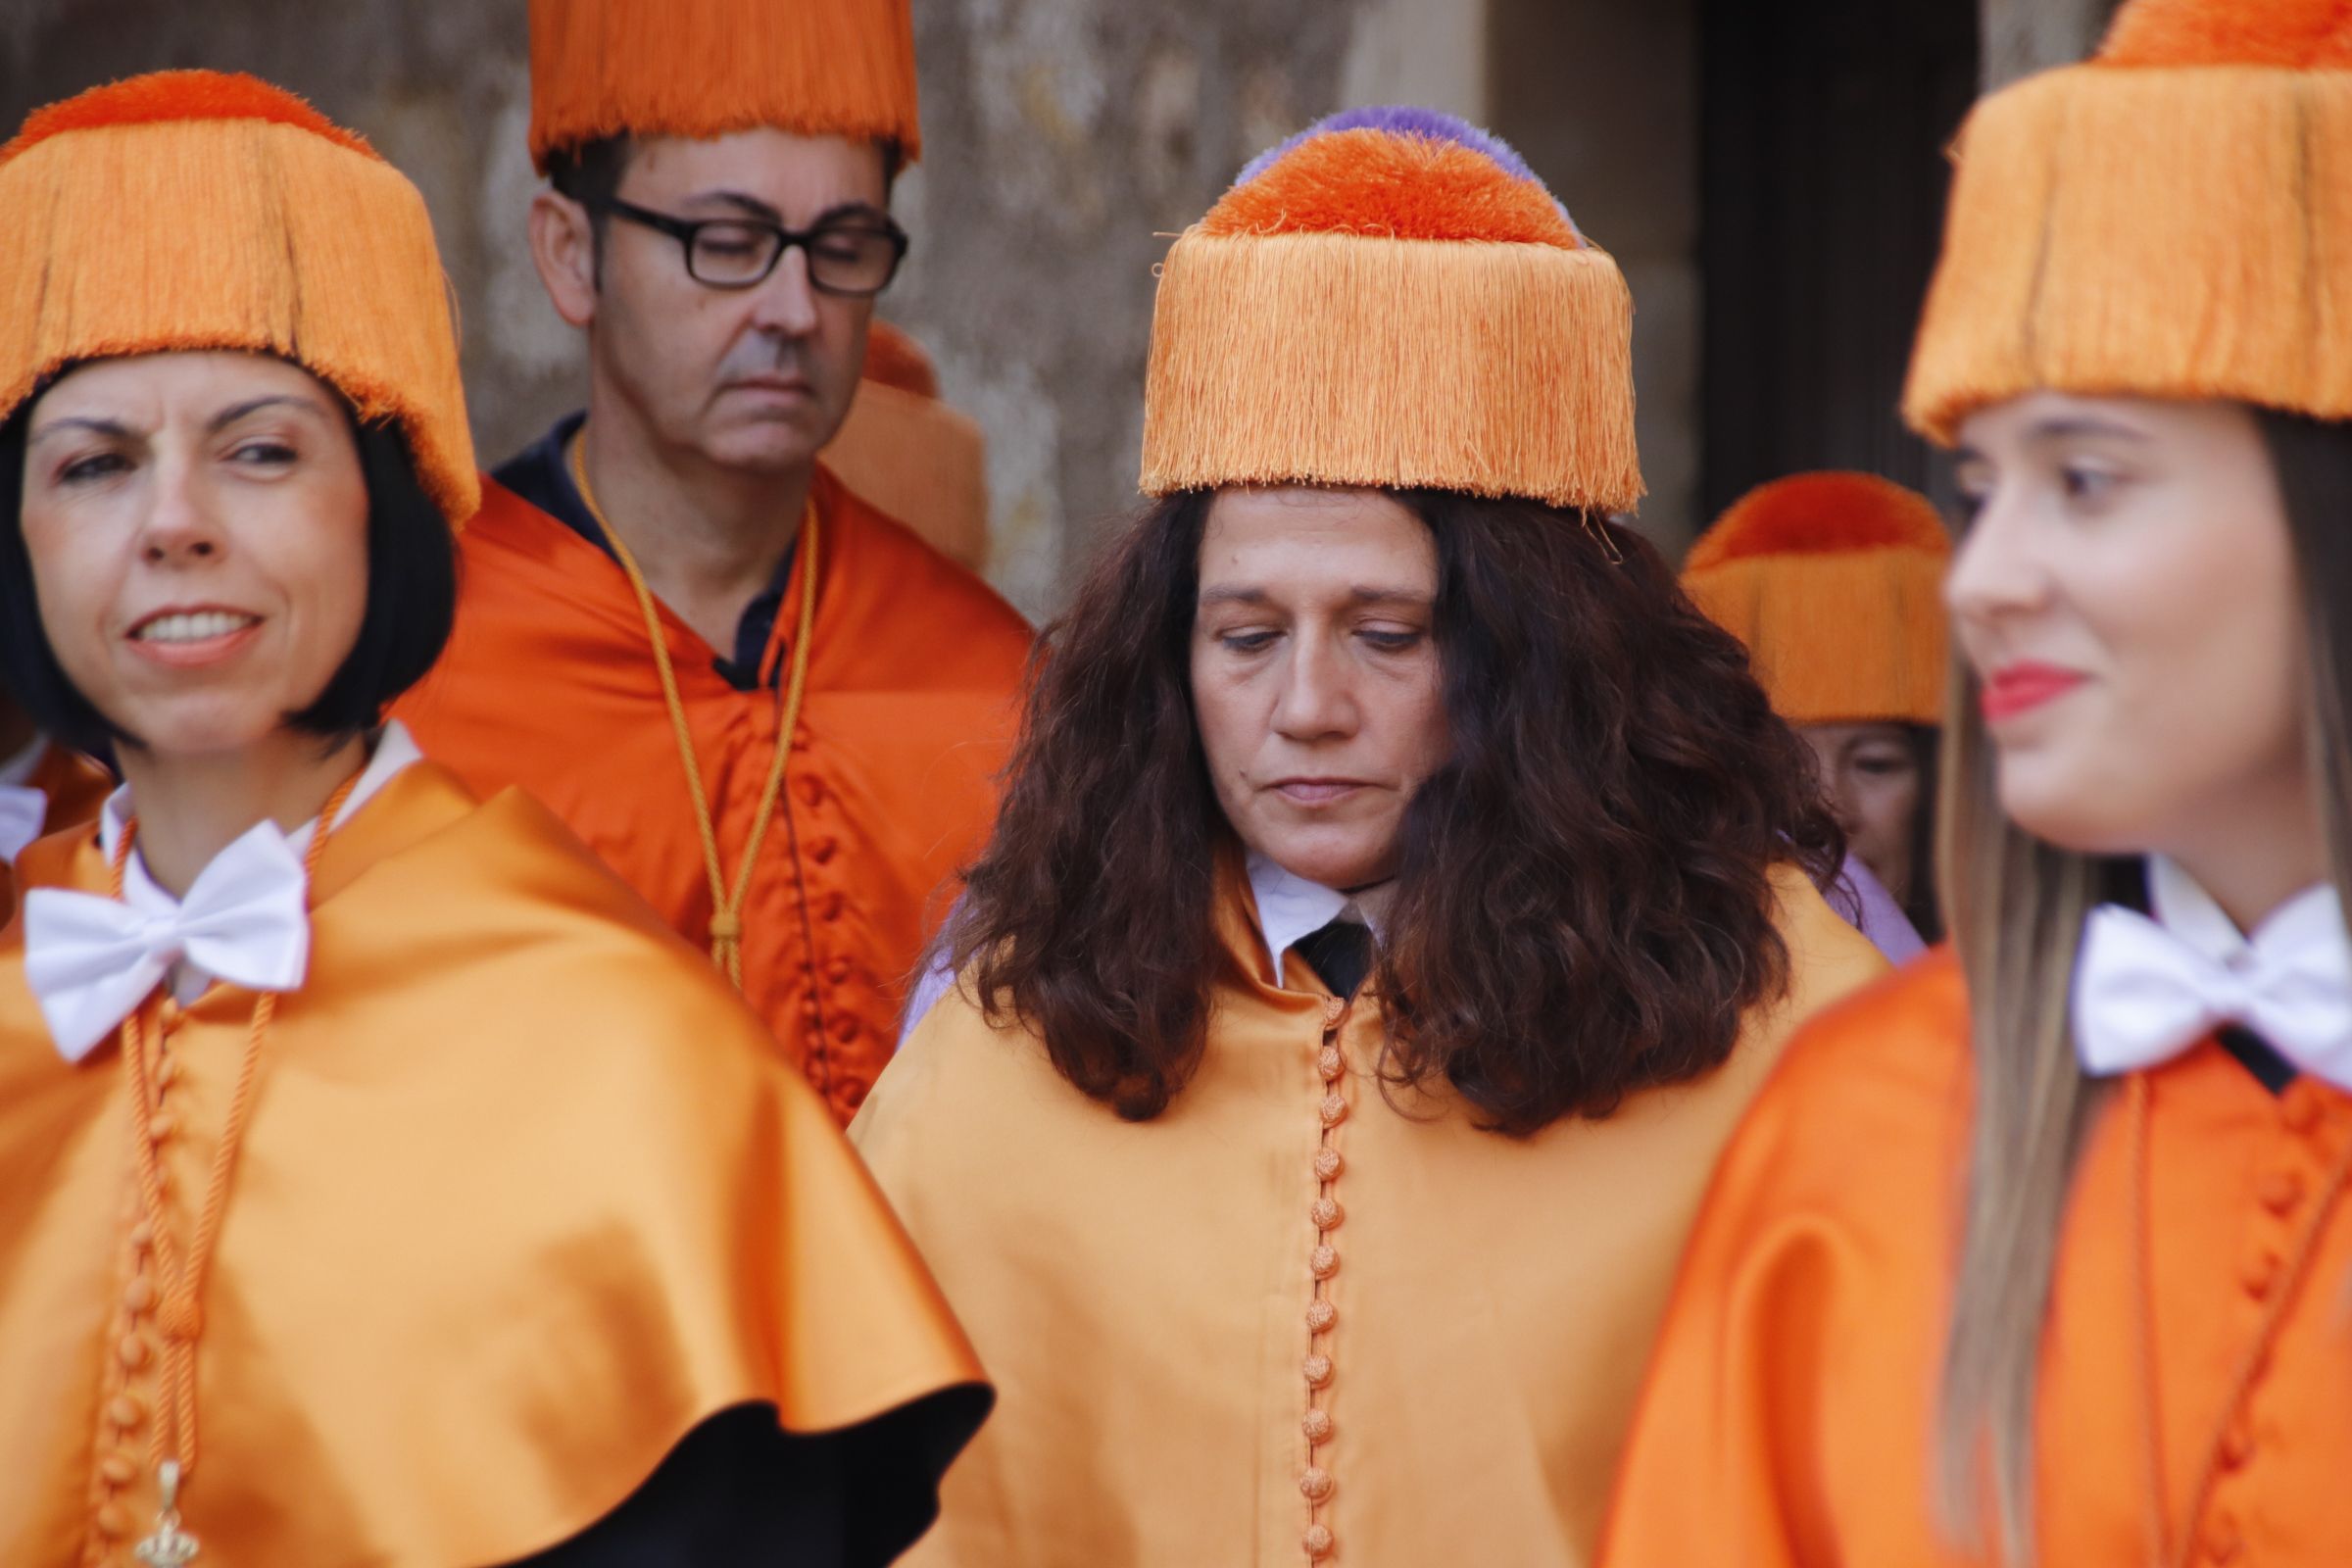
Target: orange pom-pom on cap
[
  {"x": 1822, "y": 513},
  {"x": 2295, "y": 34},
  {"x": 194, "y": 210},
  {"x": 1835, "y": 583},
  {"x": 1386, "y": 186},
  {"x": 167, "y": 95},
  {"x": 1392, "y": 299}
]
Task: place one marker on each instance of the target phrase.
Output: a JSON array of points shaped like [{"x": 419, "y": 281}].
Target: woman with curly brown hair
[{"x": 1400, "y": 890}]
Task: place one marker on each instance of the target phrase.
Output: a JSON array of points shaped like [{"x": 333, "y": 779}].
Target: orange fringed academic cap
[
  {"x": 1392, "y": 299},
  {"x": 1834, "y": 581},
  {"x": 2168, "y": 221},
  {"x": 193, "y": 210},
  {"x": 908, "y": 452},
  {"x": 707, "y": 68}
]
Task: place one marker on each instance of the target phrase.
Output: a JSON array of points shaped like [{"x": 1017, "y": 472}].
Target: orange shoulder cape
[
  {"x": 1790, "y": 1415},
  {"x": 524, "y": 1198},
  {"x": 549, "y": 684}
]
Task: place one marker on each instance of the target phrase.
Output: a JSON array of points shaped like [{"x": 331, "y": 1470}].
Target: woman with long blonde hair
[{"x": 2040, "y": 1252}]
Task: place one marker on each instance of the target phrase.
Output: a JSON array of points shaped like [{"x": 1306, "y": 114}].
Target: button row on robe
[
  {"x": 1315, "y": 1484},
  {"x": 2281, "y": 1192}
]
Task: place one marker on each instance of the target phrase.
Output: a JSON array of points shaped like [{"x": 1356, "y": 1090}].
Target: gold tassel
[{"x": 1334, "y": 359}]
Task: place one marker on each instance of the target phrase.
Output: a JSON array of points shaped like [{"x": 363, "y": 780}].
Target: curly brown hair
[{"x": 1583, "y": 905}]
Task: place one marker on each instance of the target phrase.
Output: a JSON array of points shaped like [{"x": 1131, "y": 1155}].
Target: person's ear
[{"x": 564, "y": 248}]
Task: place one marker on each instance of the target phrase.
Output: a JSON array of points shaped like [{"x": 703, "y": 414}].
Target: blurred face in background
[{"x": 1872, "y": 777}]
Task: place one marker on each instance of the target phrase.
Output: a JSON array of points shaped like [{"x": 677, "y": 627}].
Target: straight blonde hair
[{"x": 2015, "y": 907}]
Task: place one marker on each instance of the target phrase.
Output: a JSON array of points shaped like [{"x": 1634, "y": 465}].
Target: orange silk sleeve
[{"x": 1787, "y": 1417}]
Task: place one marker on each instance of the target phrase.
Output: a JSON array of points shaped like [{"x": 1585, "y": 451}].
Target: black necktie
[{"x": 1340, "y": 954}]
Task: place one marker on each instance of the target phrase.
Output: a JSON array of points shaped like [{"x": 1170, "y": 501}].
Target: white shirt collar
[
  {"x": 395, "y": 750},
  {"x": 1289, "y": 907},
  {"x": 24, "y": 808},
  {"x": 2183, "y": 907},
  {"x": 19, "y": 768}
]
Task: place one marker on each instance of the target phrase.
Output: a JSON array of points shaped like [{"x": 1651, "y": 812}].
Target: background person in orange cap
[
  {"x": 1834, "y": 581},
  {"x": 381, "y": 1182},
  {"x": 772, "y": 707},
  {"x": 905, "y": 449},
  {"x": 2038, "y": 1254},
  {"x": 1400, "y": 889}
]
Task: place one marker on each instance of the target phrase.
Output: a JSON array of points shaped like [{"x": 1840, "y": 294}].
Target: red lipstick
[{"x": 2015, "y": 689}]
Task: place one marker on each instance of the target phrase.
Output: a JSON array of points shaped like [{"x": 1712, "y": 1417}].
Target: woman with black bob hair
[
  {"x": 379, "y": 1181},
  {"x": 412, "y": 596},
  {"x": 1400, "y": 889}
]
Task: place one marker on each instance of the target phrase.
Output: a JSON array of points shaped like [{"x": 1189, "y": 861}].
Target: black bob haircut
[{"x": 412, "y": 602}]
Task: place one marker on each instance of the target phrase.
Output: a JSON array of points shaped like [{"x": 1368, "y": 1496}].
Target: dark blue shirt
[{"x": 541, "y": 475}]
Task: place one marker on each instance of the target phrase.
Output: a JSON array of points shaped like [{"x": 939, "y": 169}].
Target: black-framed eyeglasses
[{"x": 857, "y": 257}]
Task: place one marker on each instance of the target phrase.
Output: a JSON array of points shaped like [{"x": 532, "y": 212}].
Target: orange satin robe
[
  {"x": 524, "y": 1196},
  {"x": 549, "y": 683},
  {"x": 1788, "y": 1417},
  {"x": 1141, "y": 1292},
  {"x": 77, "y": 788}
]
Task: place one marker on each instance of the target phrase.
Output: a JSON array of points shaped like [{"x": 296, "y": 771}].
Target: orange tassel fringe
[
  {"x": 1851, "y": 638},
  {"x": 282, "y": 241},
  {"x": 707, "y": 68},
  {"x": 2157, "y": 231},
  {"x": 1336, "y": 359}
]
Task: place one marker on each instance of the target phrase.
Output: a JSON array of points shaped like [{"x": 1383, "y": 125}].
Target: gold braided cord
[{"x": 726, "y": 905}]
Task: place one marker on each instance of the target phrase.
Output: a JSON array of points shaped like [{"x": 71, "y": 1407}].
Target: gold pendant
[{"x": 169, "y": 1546}]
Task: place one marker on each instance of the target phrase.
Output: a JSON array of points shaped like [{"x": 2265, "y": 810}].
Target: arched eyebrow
[
  {"x": 112, "y": 429},
  {"x": 1360, "y": 592},
  {"x": 2072, "y": 427},
  {"x": 238, "y": 410},
  {"x": 754, "y": 206},
  {"x": 117, "y": 430}
]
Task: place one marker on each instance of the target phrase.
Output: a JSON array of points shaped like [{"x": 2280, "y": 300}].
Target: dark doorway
[{"x": 1822, "y": 186}]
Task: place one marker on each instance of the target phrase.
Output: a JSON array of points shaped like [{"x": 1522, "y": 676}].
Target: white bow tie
[
  {"x": 22, "y": 812},
  {"x": 2142, "y": 996},
  {"x": 90, "y": 961}
]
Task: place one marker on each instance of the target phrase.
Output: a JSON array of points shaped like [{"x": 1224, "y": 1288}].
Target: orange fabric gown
[
  {"x": 549, "y": 684},
  {"x": 1788, "y": 1417},
  {"x": 1143, "y": 1294},
  {"x": 77, "y": 788},
  {"x": 524, "y": 1196}
]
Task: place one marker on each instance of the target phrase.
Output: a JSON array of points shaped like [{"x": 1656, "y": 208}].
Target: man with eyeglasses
[{"x": 768, "y": 706}]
